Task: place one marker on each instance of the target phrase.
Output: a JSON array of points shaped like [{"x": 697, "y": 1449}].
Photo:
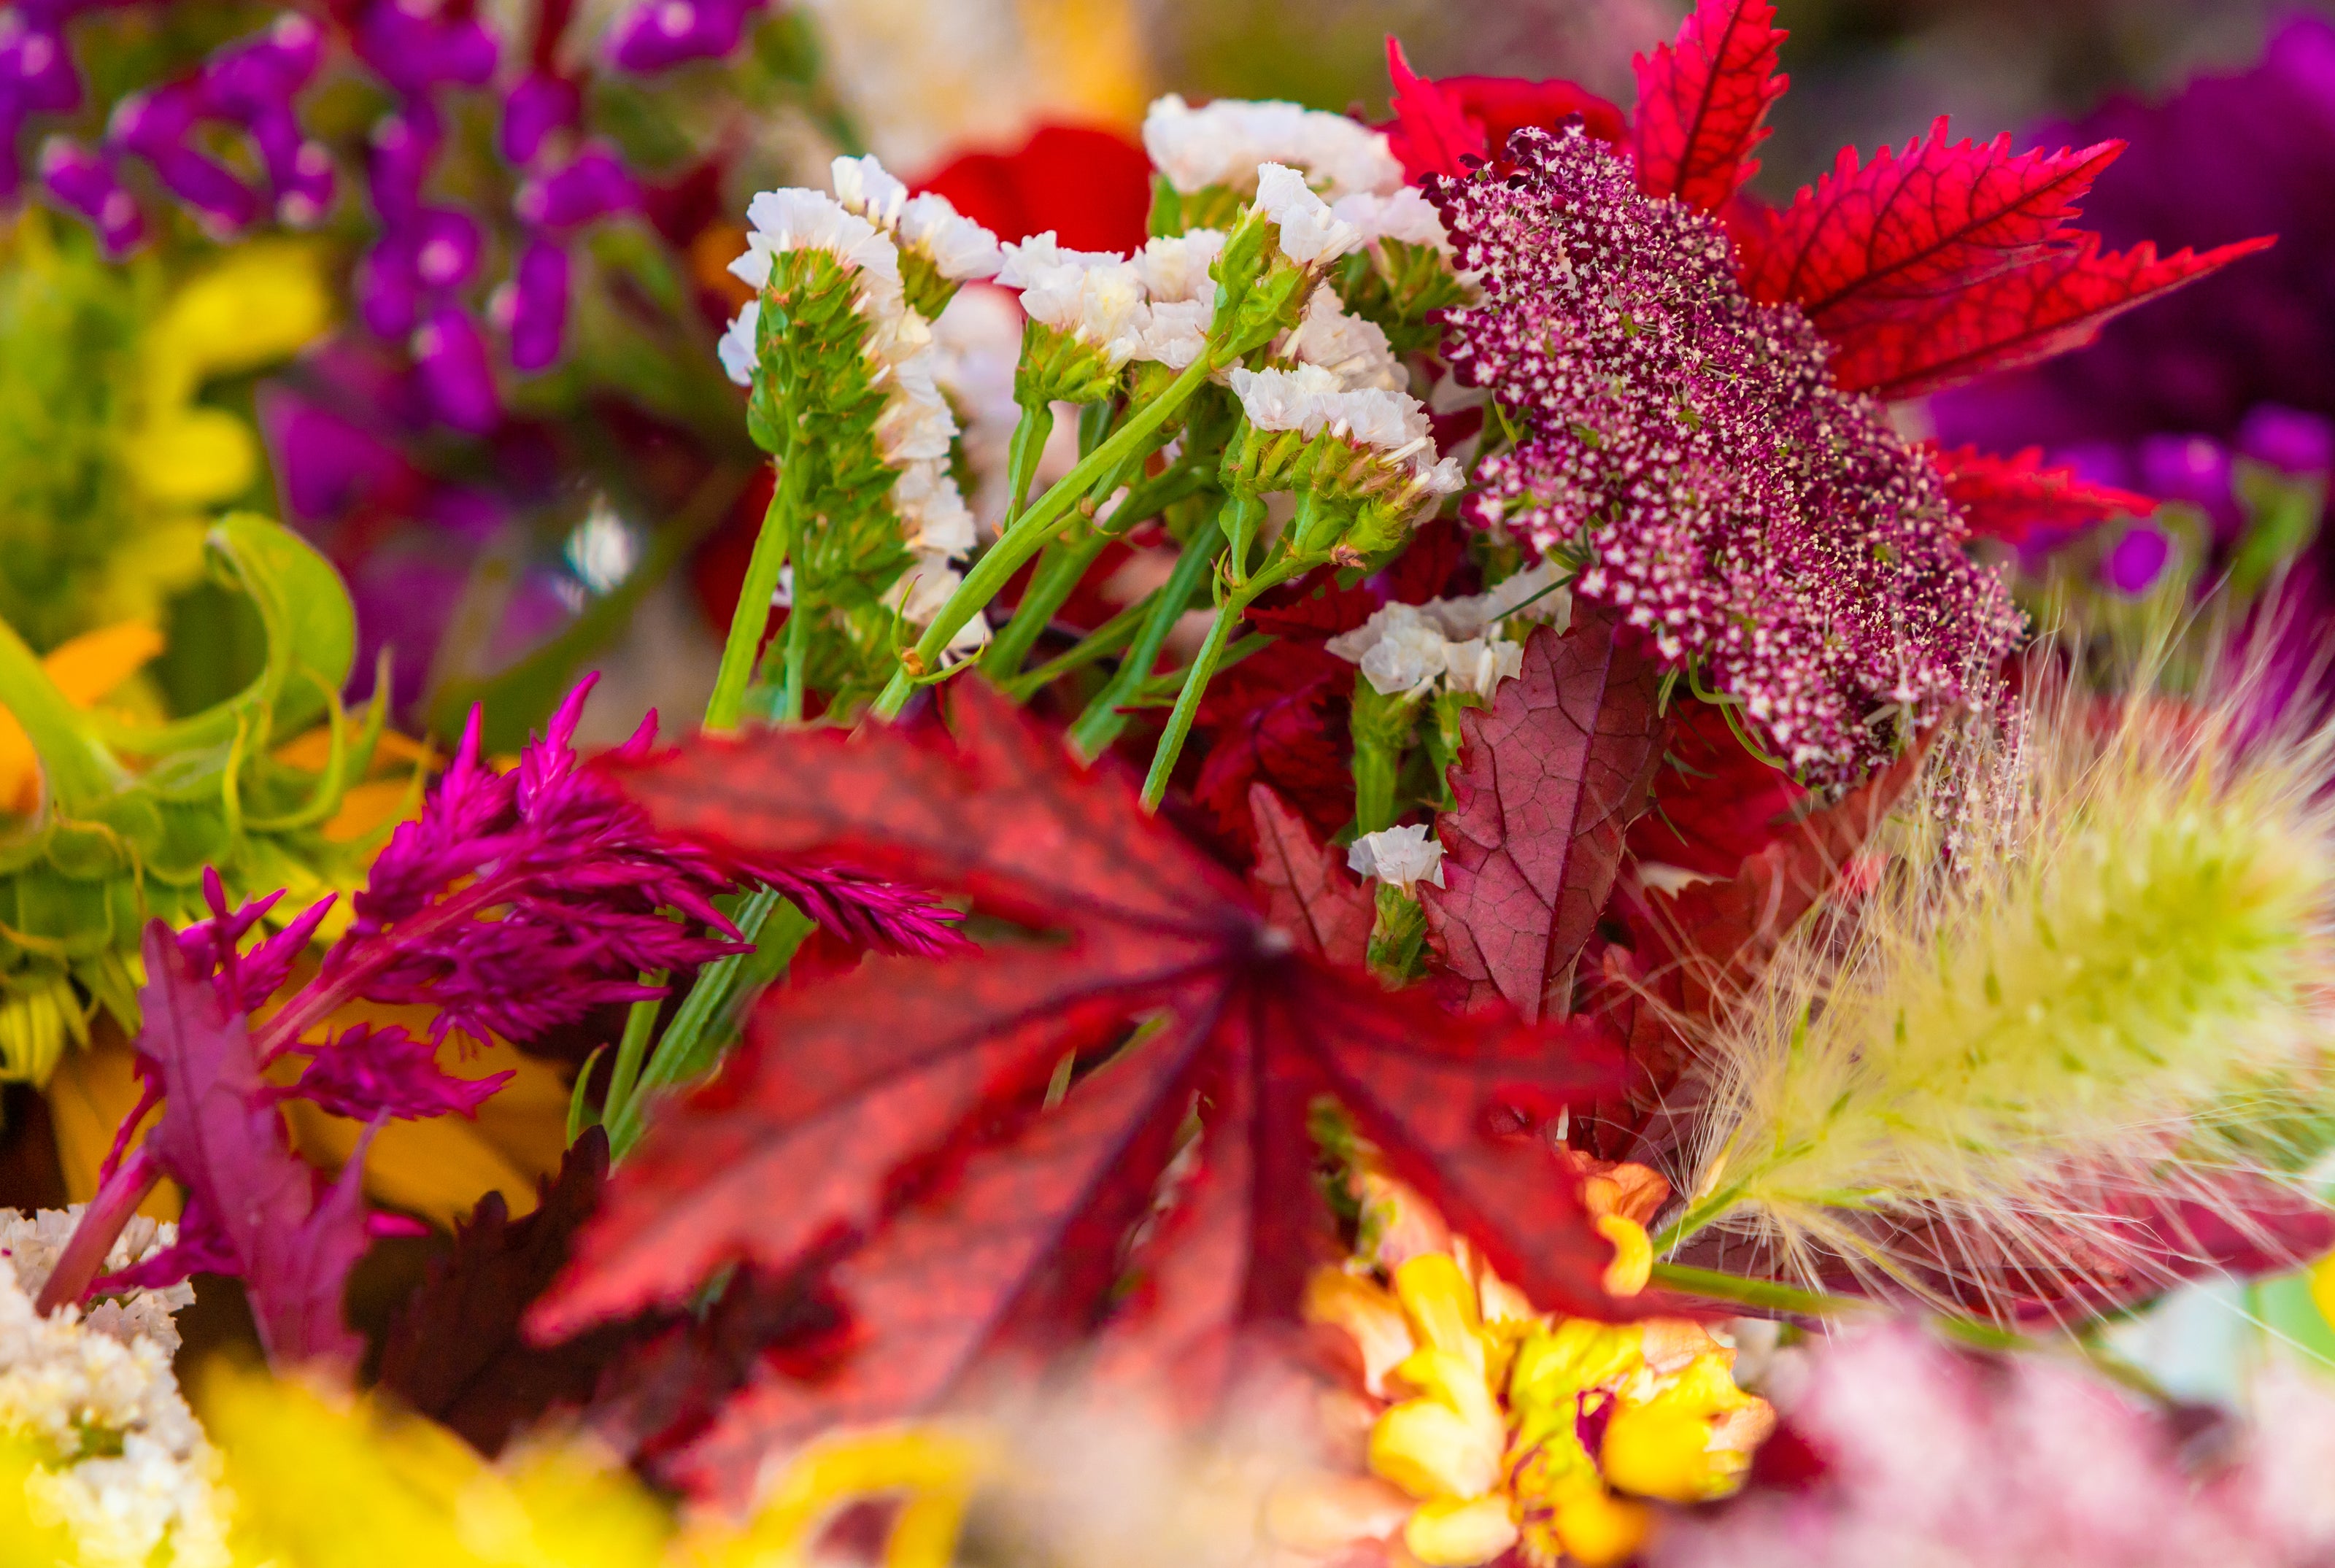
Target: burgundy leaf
[
  {"x": 1915, "y": 224},
  {"x": 904, "y": 1111},
  {"x": 1547, "y": 782},
  {"x": 1305, "y": 888},
  {"x": 2009, "y": 498},
  {"x": 2044, "y": 307},
  {"x": 1702, "y": 103}
]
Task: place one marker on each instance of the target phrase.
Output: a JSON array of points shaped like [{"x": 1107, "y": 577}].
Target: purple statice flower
[
  {"x": 1909, "y": 1452},
  {"x": 533, "y": 309},
  {"x": 1753, "y": 520},
  {"x": 656, "y": 36},
  {"x": 90, "y": 183}
]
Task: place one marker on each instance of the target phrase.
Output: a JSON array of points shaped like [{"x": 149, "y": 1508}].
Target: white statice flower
[
  {"x": 976, "y": 344},
  {"x": 31, "y": 1244},
  {"x": 932, "y": 515},
  {"x": 1311, "y": 234},
  {"x": 1095, "y": 297},
  {"x": 922, "y": 589},
  {"x": 1224, "y": 142},
  {"x": 1402, "y": 648},
  {"x": 795, "y": 219},
  {"x": 960, "y": 249},
  {"x": 1285, "y": 399},
  {"x": 130, "y": 1475},
  {"x": 1404, "y": 215},
  {"x": 737, "y": 348},
  {"x": 1355, "y": 349},
  {"x": 1180, "y": 297},
  {"x": 1399, "y": 856}
]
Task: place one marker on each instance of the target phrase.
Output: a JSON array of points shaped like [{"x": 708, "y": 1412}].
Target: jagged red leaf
[
  {"x": 2009, "y": 499},
  {"x": 2046, "y": 306},
  {"x": 1439, "y": 124},
  {"x": 1278, "y": 721},
  {"x": 1702, "y": 103},
  {"x": 455, "y": 1353},
  {"x": 1915, "y": 223},
  {"x": 904, "y": 1111},
  {"x": 294, "y": 1238},
  {"x": 1305, "y": 889},
  {"x": 1546, "y": 783}
]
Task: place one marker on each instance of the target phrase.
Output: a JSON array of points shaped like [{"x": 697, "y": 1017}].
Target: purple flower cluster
[
  {"x": 1757, "y": 523},
  {"x": 657, "y": 35},
  {"x": 246, "y": 86}
]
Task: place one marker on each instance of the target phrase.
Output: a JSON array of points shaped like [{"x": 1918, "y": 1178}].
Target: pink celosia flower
[{"x": 1761, "y": 523}]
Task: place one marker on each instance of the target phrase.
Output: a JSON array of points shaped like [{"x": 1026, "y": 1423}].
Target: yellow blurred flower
[{"x": 1481, "y": 1411}]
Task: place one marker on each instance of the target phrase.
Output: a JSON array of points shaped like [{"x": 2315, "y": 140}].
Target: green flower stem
[
  {"x": 633, "y": 1049},
  {"x": 1230, "y": 607},
  {"x": 1028, "y": 534},
  {"x": 1103, "y": 722},
  {"x": 76, "y": 767},
  {"x": 728, "y": 702},
  {"x": 1064, "y": 562},
  {"x": 1100, "y": 643},
  {"x": 1382, "y": 730},
  {"x": 1769, "y": 1295},
  {"x": 1031, "y": 433},
  {"x": 1161, "y": 689}
]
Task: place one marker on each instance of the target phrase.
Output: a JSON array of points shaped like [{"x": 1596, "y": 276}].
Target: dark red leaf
[
  {"x": 220, "y": 1136},
  {"x": 902, "y": 1110},
  {"x": 455, "y": 1353},
  {"x": 2047, "y": 306},
  {"x": 1715, "y": 803},
  {"x": 1916, "y": 223},
  {"x": 1701, "y": 104},
  {"x": 1439, "y": 123},
  {"x": 1313, "y": 608},
  {"x": 1546, "y": 782},
  {"x": 1423, "y": 571},
  {"x": 1305, "y": 888},
  {"x": 2009, "y": 499},
  {"x": 1277, "y": 719}
]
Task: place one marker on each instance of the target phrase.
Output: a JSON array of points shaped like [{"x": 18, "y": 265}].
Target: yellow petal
[
  {"x": 1598, "y": 1530},
  {"x": 1372, "y": 1318},
  {"x": 1441, "y": 1303},
  {"x": 194, "y": 457},
  {"x": 1451, "y": 1533},
  {"x": 261, "y": 302},
  {"x": 1658, "y": 1451},
  {"x": 1431, "y": 1451},
  {"x": 88, "y": 1095},
  {"x": 2322, "y": 1287},
  {"x": 1633, "y": 1255},
  {"x": 934, "y": 1467},
  {"x": 439, "y": 1168}
]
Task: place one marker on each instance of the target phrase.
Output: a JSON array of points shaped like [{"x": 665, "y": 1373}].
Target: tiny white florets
[
  {"x": 1400, "y": 857},
  {"x": 1222, "y": 143}
]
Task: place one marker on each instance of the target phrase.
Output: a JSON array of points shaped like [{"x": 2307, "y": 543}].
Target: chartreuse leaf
[{"x": 132, "y": 814}]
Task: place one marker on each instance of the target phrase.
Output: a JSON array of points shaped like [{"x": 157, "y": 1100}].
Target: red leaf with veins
[
  {"x": 2008, "y": 499},
  {"x": 1702, "y": 102},
  {"x": 1714, "y": 802},
  {"x": 1305, "y": 888},
  {"x": 1547, "y": 782},
  {"x": 1276, "y": 718},
  {"x": 2046, "y": 306},
  {"x": 221, "y": 1138},
  {"x": 1913, "y": 225},
  {"x": 900, "y": 1109},
  {"x": 1438, "y": 123}
]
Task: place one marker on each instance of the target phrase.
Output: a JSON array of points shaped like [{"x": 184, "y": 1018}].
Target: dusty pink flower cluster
[{"x": 1761, "y": 523}]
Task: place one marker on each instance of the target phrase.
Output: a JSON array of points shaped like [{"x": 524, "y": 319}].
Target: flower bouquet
[{"x": 1405, "y": 878}]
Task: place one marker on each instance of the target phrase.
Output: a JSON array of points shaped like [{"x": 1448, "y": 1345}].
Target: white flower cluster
[
  {"x": 1404, "y": 649},
  {"x": 1406, "y": 215},
  {"x": 915, "y": 431},
  {"x": 1095, "y": 297},
  {"x": 1400, "y": 857},
  {"x": 1311, "y": 232},
  {"x": 31, "y": 1246},
  {"x": 1353, "y": 349},
  {"x": 1390, "y": 426},
  {"x": 1225, "y": 142},
  {"x": 133, "y": 1479}
]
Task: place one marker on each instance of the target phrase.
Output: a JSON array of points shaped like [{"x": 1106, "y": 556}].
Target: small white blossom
[
  {"x": 932, "y": 515},
  {"x": 977, "y": 342},
  {"x": 1477, "y": 666},
  {"x": 737, "y": 345},
  {"x": 1402, "y": 648},
  {"x": 960, "y": 249},
  {"x": 922, "y": 590},
  {"x": 1406, "y": 215},
  {"x": 1535, "y": 593},
  {"x": 1224, "y": 142},
  {"x": 1405, "y": 654},
  {"x": 1283, "y": 400},
  {"x": 1355, "y": 349},
  {"x": 797, "y": 219},
  {"x": 1095, "y": 297},
  {"x": 1400, "y": 857},
  {"x": 1311, "y": 234},
  {"x": 866, "y": 187},
  {"x": 1176, "y": 267},
  {"x": 915, "y": 426}
]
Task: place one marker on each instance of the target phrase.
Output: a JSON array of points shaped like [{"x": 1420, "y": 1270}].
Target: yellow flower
[{"x": 1491, "y": 1401}]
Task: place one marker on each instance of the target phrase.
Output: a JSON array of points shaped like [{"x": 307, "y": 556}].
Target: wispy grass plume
[{"x": 2093, "y": 978}]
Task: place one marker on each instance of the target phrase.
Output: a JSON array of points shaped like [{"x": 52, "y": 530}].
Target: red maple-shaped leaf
[
  {"x": 2009, "y": 499},
  {"x": 1702, "y": 103},
  {"x": 1305, "y": 888},
  {"x": 1912, "y": 225},
  {"x": 1547, "y": 782},
  {"x": 1277, "y": 719},
  {"x": 2047, "y": 306},
  {"x": 1439, "y": 124},
  {"x": 898, "y": 1120}
]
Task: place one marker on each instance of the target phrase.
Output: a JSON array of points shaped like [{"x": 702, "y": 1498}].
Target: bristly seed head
[{"x": 1751, "y": 517}]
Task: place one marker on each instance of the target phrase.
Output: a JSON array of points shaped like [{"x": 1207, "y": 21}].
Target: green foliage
[{"x": 116, "y": 844}]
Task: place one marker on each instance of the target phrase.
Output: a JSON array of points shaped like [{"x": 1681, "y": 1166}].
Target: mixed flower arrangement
[{"x": 1404, "y": 878}]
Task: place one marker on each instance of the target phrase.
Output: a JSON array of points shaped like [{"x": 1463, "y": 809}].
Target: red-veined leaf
[
  {"x": 901, "y": 1120},
  {"x": 1439, "y": 123},
  {"x": 1915, "y": 223},
  {"x": 1547, "y": 782},
  {"x": 2008, "y": 499},
  {"x": 1305, "y": 888},
  {"x": 1430, "y": 135},
  {"x": 1277, "y": 719},
  {"x": 1702, "y": 101},
  {"x": 2047, "y": 306}
]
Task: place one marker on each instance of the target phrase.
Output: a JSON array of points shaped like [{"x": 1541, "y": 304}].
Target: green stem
[
  {"x": 1031, "y": 433},
  {"x": 1065, "y": 561},
  {"x": 1029, "y": 532},
  {"x": 77, "y": 770},
  {"x": 1769, "y": 1295},
  {"x": 1229, "y": 611},
  {"x": 640, "y": 1022},
  {"x": 728, "y": 702},
  {"x": 1100, "y": 643},
  {"x": 1103, "y": 722},
  {"x": 1161, "y": 689}
]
